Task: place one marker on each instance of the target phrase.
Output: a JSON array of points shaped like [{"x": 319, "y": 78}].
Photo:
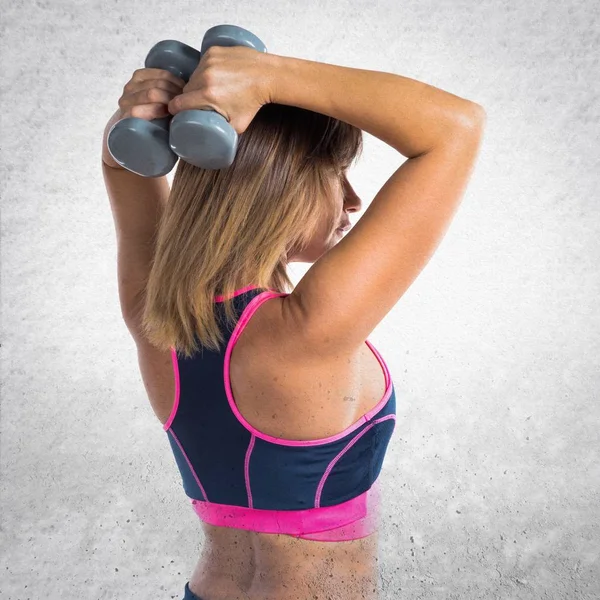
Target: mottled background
[{"x": 491, "y": 483}]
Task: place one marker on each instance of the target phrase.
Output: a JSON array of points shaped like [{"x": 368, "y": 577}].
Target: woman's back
[{"x": 274, "y": 390}]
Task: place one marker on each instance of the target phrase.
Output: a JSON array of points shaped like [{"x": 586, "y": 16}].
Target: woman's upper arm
[{"x": 351, "y": 288}]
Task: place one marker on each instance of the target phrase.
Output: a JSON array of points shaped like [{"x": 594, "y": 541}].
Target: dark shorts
[{"x": 189, "y": 595}]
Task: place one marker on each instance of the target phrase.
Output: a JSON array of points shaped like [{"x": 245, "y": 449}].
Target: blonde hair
[{"x": 239, "y": 225}]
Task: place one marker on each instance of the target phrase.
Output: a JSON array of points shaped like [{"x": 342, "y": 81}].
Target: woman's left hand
[{"x": 231, "y": 80}]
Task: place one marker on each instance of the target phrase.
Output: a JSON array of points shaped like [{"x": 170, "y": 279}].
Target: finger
[
  {"x": 147, "y": 111},
  {"x": 148, "y": 96},
  {"x": 149, "y": 73},
  {"x": 193, "y": 100},
  {"x": 165, "y": 84}
]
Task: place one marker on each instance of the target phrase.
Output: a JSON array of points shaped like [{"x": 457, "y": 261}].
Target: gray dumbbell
[
  {"x": 140, "y": 145},
  {"x": 201, "y": 137}
]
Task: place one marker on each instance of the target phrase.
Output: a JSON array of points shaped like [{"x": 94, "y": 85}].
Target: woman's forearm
[
  {"x": 409, "y": 115},
  {"x": 107, "y": 158}
]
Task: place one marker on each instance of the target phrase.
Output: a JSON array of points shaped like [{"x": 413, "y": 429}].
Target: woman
[{"x": 277, "y": 408}]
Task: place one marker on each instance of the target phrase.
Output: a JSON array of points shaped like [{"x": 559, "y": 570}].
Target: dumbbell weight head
[
  {"x": 140, "y": 145},
  {"x": 204, "y": 138},
  {"x": 231, "y": 35}
]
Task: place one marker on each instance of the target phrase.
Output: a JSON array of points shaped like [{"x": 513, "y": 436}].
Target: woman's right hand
[
  {"x": 147, "y": 94},
  {"x": 234, "y": 81}
]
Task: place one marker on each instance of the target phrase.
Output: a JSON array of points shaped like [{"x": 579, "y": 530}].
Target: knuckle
[
  {"x": 212, "y": 56},
  {"x": 209, "y": 83},
  {"x": 175, "y": 103},
  {"x": 210, "y": 94},
  {"x": 154, "y": 95},
  {"x": 210, "y": 78},
  {"x": 207, "y": 74},
  {"x": 212, "y": 51}
]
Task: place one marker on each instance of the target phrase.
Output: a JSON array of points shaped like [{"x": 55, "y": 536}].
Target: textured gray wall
[{"x": 491, "y": 483}]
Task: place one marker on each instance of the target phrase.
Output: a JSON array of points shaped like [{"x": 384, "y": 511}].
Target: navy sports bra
[{"x": 236, "y": 476}]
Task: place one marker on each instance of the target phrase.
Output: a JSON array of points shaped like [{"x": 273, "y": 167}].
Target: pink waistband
[{"x": 353, "y": 519}]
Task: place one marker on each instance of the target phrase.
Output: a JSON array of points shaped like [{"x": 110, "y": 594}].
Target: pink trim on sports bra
[
  {"x": 241, "y": 324},
  {"x": 236, "y": 293},
  {"x": 176, "y": 400},
  {"x": 176, "y": 366}
]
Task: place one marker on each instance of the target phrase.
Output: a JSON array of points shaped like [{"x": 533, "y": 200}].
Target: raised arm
[{"x": 352, "y": 287}]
